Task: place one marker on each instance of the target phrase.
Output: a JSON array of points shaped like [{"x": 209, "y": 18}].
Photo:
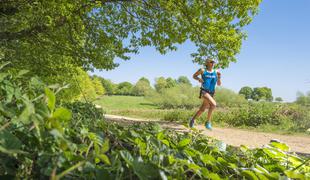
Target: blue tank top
[{"x": 209, "y": 80}]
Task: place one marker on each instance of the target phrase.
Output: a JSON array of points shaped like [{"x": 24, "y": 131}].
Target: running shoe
[
  {"x": 191, "y": 123},
  {"x": 208, "y": 125}
]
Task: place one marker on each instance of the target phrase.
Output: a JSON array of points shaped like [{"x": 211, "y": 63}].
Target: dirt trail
[{"x": 234, "y": 137}]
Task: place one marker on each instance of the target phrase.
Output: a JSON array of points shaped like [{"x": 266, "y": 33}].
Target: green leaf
[
  {"x": 273, "y": 153},
  {"x": 214, "y": 176},
  {"x": 103, "y": 174},
  {"x": 261, "y": 176},
  {"x": 11, "y": 151},
  {"x": 260, "y": 173},
  {"x": 21, "y": 73},
  {"x": 244, "y": 148},
  {"x": 222, "y": 161},
  {"x": 296, "y": 161},
  {"x": 4, "y": 64},
  {"x": 9, "y": 141},
  {"x": 51, "y": 99},
  {"x": 126, "y": 156},
  {"x": 294, "y": 174},
  {"x": 273, "y": 176},
  {"x": 184, "y": 142},
  {"x": 208, "y": 159},
  {"x": 142, "y": 146},
  {"x": 281, "y": 146},
  {"x": 193, "y": 166},
  {"x": 166, "y": 142},
  {"x": 79, "y": 164},
  {"x": 27, "y": 112},
  {"x": 205, "y": 172},
  {"x": 160, "y": 136},
  {"x": 104, "y": 158},
  {"x": 42, "y": 110},
  {"x": 171, "y": 159},
  {"x": 249, "y": 175},
  {"x": 163, "y": 175},
  {"x": 3, "y": 75},
  {"x": 262, "y": 169},
  {"x": 62, "y": 114},
  {"x": 145, "y": 170},
  {"x": 105, "y": 146},
  {"x": 134, "y": 134},
  {"x": 10, "y": 92},
  {"x": 56, "y": 133}
]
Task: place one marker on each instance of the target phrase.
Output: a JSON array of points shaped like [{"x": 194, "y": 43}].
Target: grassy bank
[
  {"x": 265, "y": 117},
  {"x": 111, "y": 103}
]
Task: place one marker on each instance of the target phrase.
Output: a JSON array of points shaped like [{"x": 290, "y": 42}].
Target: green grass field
[
  {"x": 112, "y": 103},
  {"x": 135, "y": 107}
]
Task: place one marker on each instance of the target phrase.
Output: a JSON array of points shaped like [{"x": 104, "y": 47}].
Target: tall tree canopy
[
  {"x": 247, "y": 92},
  {"x": 142, "y": 87},
  {"x": 50, "y": 36},
  {"x": 184, "y": 80},
  {"x": 264, "y": 93}
]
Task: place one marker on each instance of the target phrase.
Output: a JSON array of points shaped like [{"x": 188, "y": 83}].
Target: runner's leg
[
  {"x": 212, "y": 104},
  {"x": 203, "y": 107}
]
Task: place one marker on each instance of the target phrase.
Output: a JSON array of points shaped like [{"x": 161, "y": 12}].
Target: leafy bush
[
  {"x": 99, "y": 89},
  {"x": 32, "y": 128},
  {"x": 108, "y": 85},
  {"x": 124, "y": 88},
  {"x": 79, "y": 85},
  {"x": 254, "y": 114},
  {"x": 84, "y": 113},
  {"x": 303, "y": 99},
  {"x": 186, "y": 96},
  {"x": 179, "y": 96},
  {"x": 142, "y": 87},
  {"x": 299, "y": 116},
  {"x": 227, "y": 98},
  {"x": 178, "y": 115}
]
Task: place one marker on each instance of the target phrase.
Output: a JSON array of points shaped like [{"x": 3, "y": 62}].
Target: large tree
[
  {"x": 303, "y": 99},
  {"x": 160, "y": 84},
  {"x": 262, "y": 93},
  {"x": 246, "y": 91},
  {"x": 108, "y": 85},
  {"x": 142, "y": 87},
  {"x": 124, "y": 88},
  {"x": 171, "y": 82},
  {"x": 48, "y": 37},
  {"x": 184, "y": 80},
  {"x": 98, "y": 86}
]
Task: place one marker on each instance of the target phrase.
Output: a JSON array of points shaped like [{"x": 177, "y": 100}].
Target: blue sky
[{"x": 276, "y": 54}]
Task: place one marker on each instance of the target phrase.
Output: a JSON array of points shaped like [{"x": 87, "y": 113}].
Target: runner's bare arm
[
  {"x": 196, "y": 74},
  {"x": 219, "y": 82}
]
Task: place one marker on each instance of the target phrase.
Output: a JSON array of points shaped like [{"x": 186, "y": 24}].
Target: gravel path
[{"x": 234, "y": 137}]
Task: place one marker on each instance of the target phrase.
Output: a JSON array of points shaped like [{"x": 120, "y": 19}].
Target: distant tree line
[
  {"x": 257, "y": 93},
  {"x": 91, "y": 87},
  {"x": 141, "y": 87},
  {"x": 303, "y": 98}
]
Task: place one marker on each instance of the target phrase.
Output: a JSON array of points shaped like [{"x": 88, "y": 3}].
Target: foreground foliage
[{"x": 40, "y": 139}]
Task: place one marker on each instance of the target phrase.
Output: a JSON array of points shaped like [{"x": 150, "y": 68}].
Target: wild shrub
[
  {"x": 254, "y": 114},
  {"x": 85, "y": 113},
  {"x": 228, "y": 98},
  {"x": 299, "y": 115},
  {"x": 178, "y": 115},
  {"x": 179, "y": 96}
]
